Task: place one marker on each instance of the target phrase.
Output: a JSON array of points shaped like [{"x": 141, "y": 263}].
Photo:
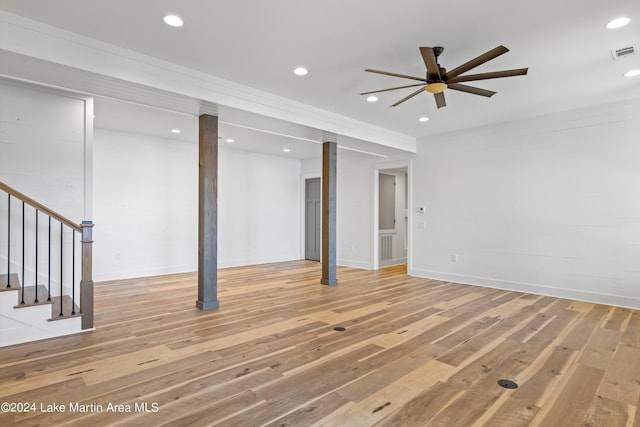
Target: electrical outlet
[
  {"x": 454, "y": 257},
  {"x": 422, "y": 225}
]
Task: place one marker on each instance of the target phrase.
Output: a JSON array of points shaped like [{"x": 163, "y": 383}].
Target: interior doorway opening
[
  {"x": 391, "y": 216},
  {"x": 312, "y": 219}
]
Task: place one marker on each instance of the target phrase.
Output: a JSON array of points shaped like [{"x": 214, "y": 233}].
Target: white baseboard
[
  {"x": 146, "y": 272},
  {"x": 354, "y": 264},
  {"x": 240, "y": 262},
  {"x": 149, "y": 272},
  {"x": 392, "y": 262},
  {"x": 530, "y": 288}
]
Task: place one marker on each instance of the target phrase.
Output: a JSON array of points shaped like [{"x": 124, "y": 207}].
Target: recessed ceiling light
[
  {"x": 424, "y": 119},
  {"x": 230, "y": 140},
  {"x": 617, "y": 23},
  {"x": 286, "y": 150},
  {"x": 173, "y": 20},
  {"x": 372, "y": 99},
  {"x": 632, "y": 73},
  {"x": 175, "y": 131},
  {"x": 300, "y": 71}
]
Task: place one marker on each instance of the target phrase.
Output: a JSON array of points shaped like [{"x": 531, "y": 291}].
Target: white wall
[
  {"x": 43, "y": 149},
  {"x": 549, "y": 205},
  {"x": 354, "y": 214},
  {"x": 42, "y": 146},
  {"x": 146, "y": 201},
  {"x": 259, "y": 202},
  {"x": 145, "y": 205}
]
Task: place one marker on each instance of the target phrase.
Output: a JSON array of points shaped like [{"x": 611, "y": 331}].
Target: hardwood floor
[{"x": 414, "y": 352}]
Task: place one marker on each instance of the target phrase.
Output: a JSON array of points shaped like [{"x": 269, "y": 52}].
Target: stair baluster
[
  {"x": 8, "y": 240},
  {"x": 61, "y": 257},
  {"x": 36, "y": 283},
  {"x": 49, "y": 264},
  {"x": 23, "y": 281},
  {"x": 73, "y": 272}
]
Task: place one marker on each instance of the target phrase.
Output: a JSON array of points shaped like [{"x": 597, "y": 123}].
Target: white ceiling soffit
[
  {"x": 99, "y": 68},
  {"x": 129, "y": 107}
]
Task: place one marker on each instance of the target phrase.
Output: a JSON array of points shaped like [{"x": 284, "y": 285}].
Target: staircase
[
  {"x": 40, "y": 296},
  {"x": 29, "y": 317}
]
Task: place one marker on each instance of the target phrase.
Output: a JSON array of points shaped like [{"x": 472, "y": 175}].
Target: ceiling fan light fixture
[
  {"x": 617, "y": 23},
  {"x": 436, "y": 87},
  {"x": 173, "y": 21}
]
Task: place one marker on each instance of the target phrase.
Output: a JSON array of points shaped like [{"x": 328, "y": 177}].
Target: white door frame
[{"x": 376, "y": 168}]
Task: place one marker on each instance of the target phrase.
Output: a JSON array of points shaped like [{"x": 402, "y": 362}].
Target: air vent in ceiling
[{"x": 624, "y": 52}]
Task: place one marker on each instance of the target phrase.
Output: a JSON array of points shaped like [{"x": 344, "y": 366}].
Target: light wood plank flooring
[{"x": 414, "y": 352}]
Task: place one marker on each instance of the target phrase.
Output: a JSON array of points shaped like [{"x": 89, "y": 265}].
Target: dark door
[{"x": 312, "y": 219}]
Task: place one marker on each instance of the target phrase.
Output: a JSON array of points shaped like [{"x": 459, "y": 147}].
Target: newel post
[{"x": 86, "y": 281}]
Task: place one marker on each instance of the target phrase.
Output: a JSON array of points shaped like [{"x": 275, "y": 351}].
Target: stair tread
[
  {"x": 67, "y": 307},
  {"x": 30, "y": 295},
  {"x": 14, "y": 283},
  {"x": 29, "y": 301}
]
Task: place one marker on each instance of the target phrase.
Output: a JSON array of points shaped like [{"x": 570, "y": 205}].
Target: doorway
[
  {"x": 312, "y": 222},
  {"x": 391, "y": 239}
]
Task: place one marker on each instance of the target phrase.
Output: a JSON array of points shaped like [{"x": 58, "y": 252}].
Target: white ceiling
[{"x": 259, "y": 43}]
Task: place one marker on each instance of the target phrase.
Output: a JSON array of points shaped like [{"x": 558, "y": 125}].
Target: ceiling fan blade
[
  {"x": 408, "y": 97},
  {"x": 440, "y": 102},
  {"x": 471, "y": 89},
  {"x": 429, "y": 58},
  {"x": 391, "y": 88},
  {"x": 487, "y": 56},
  {"x": 493, "y": 75},
  {"x": 396, "y": 75}
]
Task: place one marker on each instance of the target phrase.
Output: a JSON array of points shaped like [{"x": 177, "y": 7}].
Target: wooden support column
[
  {"x": 329, "y": 159},
  {"x": 208, "y": 213}
]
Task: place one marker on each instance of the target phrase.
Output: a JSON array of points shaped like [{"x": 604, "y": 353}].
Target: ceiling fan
[{"x": 438, "y": 79}]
